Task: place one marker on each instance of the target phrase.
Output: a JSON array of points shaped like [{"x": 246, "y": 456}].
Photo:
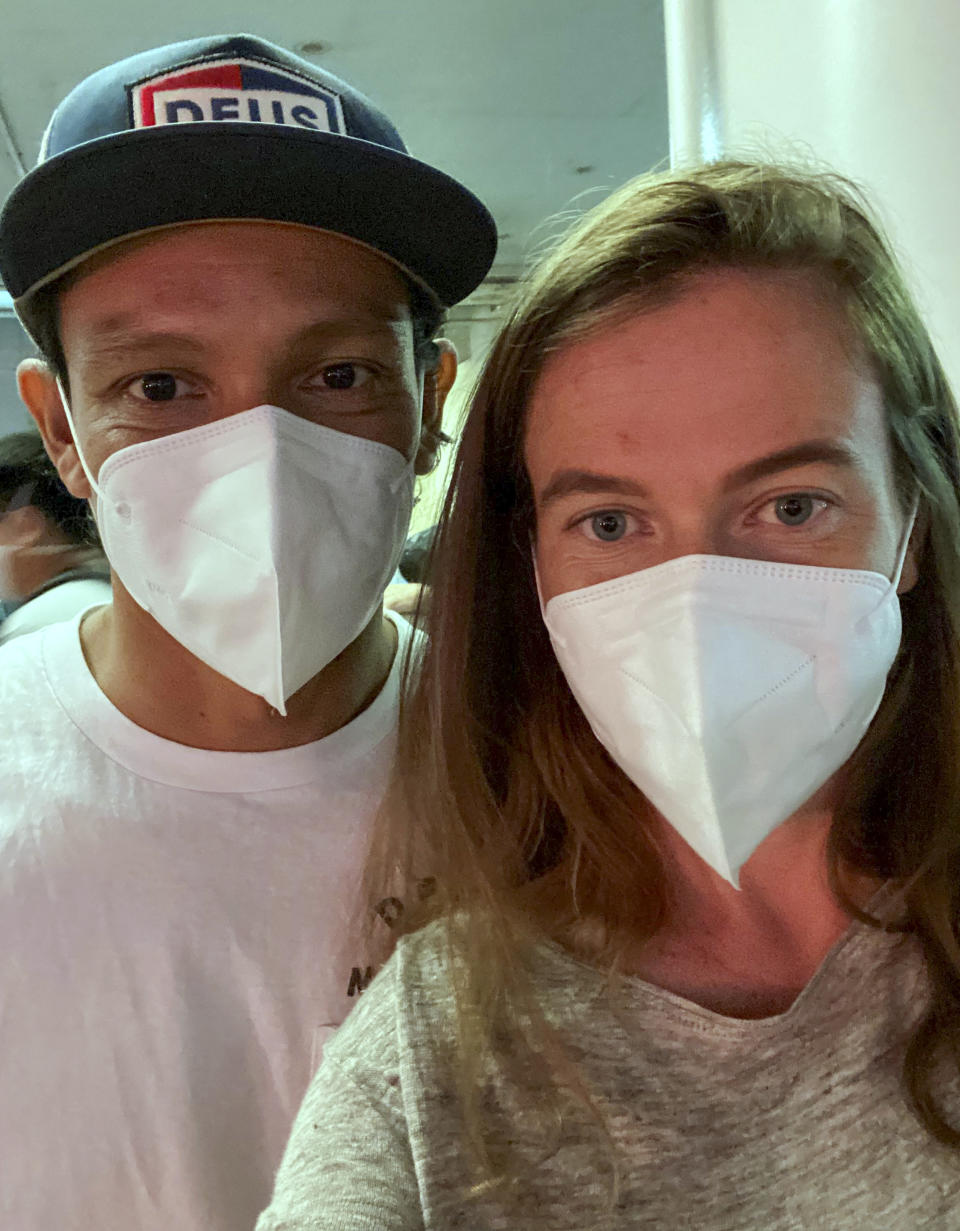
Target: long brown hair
[{"x": 531, "y": 830}]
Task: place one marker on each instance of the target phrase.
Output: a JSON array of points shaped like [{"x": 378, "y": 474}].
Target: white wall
[
  {"x": 14, "y": 346},
  {"x": 870, "y": 87}
]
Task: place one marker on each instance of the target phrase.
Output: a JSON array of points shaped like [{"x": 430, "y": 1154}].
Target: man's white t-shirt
[
  {"x": 173, "y": 949},
  {"x": 60, "y": 602}
]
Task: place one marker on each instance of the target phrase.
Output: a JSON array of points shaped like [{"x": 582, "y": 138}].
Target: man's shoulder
[
  {"x": 53, "y": 606},
  {"x": 31, "y": 670},
  {"x": 22, "y": 671},
  {"x": 38, "y": 771}
]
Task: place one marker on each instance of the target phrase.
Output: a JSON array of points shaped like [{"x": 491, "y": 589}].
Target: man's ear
[
  {"x": 437, "y": 383},
  {"x": 40, "y": 395}
]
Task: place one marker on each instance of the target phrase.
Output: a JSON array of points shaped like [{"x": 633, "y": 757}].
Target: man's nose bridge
[{"x": 252, "y": 385}]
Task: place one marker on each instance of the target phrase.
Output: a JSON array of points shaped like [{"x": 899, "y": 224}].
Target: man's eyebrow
[
  {"x": 351, "y": 327},
  {"x": 831, "y": 452},
  {"x": 116, "y": 338},
  {"x": 110, "y": 342}
]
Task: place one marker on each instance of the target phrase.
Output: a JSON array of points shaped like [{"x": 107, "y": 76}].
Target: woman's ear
[
  {"x": 437, "y": 383},
  {"x": 39, "y": 393}
]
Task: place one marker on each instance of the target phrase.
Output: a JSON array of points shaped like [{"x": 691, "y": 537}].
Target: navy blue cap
[{"x": 234, "y": 127}]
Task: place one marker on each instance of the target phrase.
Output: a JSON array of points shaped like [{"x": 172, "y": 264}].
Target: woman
[{"x": 690, "y": 795}]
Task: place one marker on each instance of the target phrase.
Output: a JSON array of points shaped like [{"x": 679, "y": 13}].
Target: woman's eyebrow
[
  {"x": 832, "y": 452},
  {"x": 570, "y": 482}
]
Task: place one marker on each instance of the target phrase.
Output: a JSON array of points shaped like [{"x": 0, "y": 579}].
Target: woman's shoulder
[
  {"x": 412, "y": 984},
  {"x": 411, "y": 1004}
]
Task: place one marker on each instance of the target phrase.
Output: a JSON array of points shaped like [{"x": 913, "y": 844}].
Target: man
[
  {"x": 234, "y": 272},
  {"x": 51, "y": 564}
]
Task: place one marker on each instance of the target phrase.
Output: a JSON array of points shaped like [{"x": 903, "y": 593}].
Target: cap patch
[{"x": 234, "y": 90}]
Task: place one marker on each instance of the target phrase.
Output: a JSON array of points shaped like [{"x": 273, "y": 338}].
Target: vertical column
[{"x": 869, "y": 87}]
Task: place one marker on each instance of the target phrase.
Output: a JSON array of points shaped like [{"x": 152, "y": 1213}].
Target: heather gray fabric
[{"x": 792, "y": 1122}]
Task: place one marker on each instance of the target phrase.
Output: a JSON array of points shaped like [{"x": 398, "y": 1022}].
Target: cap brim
[{"x": 131, "y": 182}]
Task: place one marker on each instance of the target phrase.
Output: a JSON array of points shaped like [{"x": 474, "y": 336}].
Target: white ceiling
[{"x": 537, "y": 105}]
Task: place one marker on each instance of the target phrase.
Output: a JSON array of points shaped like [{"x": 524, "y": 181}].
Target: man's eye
[
  {"x": 606, "y": 527},
  {"x": 344, "y": 375},
  {"x": 158, "y": 387}
]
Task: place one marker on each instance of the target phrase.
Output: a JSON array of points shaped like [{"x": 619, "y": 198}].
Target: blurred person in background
[
  {"x": 51, "y": 564},
  {"x": 415, "y": 560},
  {"x": 405, "y": 594},
  {"x": 685, "y": 754},
  {"x": 235, "y": 274}
]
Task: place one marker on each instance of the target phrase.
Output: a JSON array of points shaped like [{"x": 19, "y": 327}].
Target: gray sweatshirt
[{"x": 794, "y": 1121}]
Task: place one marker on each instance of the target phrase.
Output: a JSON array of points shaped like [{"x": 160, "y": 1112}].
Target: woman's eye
[
  {"x": 345, "y": 375},
  {"x": 606, "y": 527},
  {"x": 795, "y": 509},
  {"x": 159, "y": 387}
]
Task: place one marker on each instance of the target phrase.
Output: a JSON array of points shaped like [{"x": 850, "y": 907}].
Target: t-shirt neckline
[
  {"x": 333, "y": 759},
  {"x": 857, "y": 936}
]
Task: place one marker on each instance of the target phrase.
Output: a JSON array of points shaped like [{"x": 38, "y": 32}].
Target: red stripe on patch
[{"x": 228, "y": 75}]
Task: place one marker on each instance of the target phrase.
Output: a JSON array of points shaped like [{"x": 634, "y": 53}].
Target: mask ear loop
[
  {"x": 536, "y": 577},
  {"x": 905, "y": 543},
  {"x": 76, "y": 439}
]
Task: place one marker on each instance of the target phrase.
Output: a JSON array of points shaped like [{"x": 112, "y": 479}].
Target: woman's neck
[{"x": 749, "y": 952}]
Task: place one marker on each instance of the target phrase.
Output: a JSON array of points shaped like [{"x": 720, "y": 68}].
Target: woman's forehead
[{"x": 737, "y": 351}]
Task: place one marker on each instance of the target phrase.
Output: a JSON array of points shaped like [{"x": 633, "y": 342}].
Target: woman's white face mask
[
  {"x": 729, "y": 690},
  {"x": 262, "y": 542}
]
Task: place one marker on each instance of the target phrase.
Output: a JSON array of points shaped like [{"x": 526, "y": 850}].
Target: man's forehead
[
  {"x": 120, "y": 332},
  {"x": 211, "y": 254}
]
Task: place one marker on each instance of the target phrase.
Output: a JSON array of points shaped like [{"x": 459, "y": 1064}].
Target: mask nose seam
[{"x": 217, "y": 538}]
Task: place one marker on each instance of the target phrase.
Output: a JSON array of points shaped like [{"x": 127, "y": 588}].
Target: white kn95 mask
[
  {"x": 261, "y": 542},
  {"x": 729, "y": 690}
]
